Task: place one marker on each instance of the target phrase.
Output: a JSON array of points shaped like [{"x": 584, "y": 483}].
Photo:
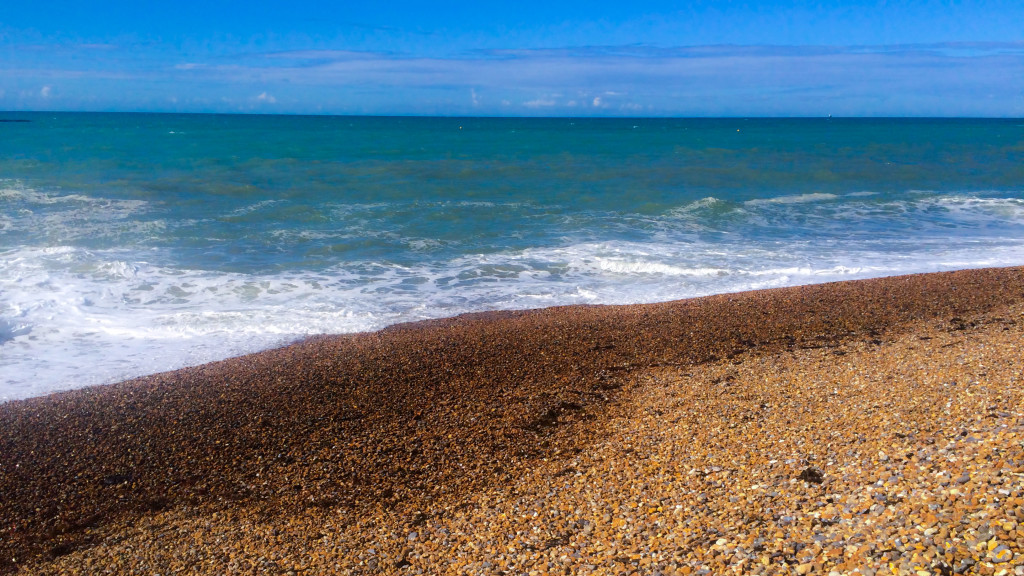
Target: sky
[{"x": 527, "y": 58}]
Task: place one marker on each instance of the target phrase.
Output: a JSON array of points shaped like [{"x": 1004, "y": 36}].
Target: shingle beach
[{"x": 865, "y": 427}]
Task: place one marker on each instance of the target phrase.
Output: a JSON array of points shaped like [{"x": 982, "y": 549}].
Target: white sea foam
[
  {"x": 71, "y": 316},
  {"x": 793, "y": 199},
  {"x": 16, "y": 191},
  {"x": 697, "y": 205},
  {"x": 255, "y": 207},
  {"x": 628, "y": 267},
  {"x": 973, "y": 208},
  {"x": 55, "y": 215}
]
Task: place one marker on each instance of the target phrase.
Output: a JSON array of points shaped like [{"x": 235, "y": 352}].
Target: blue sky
[{"x": 536, "y": 58}]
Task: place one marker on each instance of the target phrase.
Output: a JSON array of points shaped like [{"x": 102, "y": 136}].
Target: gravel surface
[{"x": 871, "y": 427}]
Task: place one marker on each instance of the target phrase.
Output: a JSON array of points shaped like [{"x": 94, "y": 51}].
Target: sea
[{"x": 136, "y": 243}]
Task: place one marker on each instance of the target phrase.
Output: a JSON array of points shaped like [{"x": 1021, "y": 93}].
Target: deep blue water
[{"x": 132, "y": 243}]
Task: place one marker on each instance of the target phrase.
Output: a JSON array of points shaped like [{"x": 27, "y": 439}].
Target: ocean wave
[
  {"x": 1005, "y": 208},
  {"x": 706, "y": 207},
  {"x": 866, "y": 214},
  {"x": 72, "y": 314},
  {"x": 56, "y": 217},
  {"x": 19, "y": 192},
  {"x": 794, "y": 199},
  {"x": 707, "y": 203},
  {"x": 63, "y": 304},
  {"x": 255, "y": 207}
]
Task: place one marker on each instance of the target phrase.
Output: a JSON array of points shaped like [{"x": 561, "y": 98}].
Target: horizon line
[{"x": 510, "y": 117}]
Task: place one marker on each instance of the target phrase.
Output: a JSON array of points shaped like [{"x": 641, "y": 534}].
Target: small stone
[
  {"x": 964, "y": 565},
  {"x": 1000, "y": 554},
  {"x": 811, "y": 475}
]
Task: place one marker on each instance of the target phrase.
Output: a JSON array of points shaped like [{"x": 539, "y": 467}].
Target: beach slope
[{"x": 864, "y": 425}]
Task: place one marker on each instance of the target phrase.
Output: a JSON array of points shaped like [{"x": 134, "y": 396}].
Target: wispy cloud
[
  {"x": 540, "y": 103},
  {"x": 733, "y": 50},
  {"x": 326, "y": 55},
  {"x": 923, "y": 79}
]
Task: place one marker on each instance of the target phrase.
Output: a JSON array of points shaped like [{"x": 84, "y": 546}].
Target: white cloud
[
  {"x": 327, "y": 55},
  {"x": 539, "y": 103},
  {"x": 965, "y": 80}
]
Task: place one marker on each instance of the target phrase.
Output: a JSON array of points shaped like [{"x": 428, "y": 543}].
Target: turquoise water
[{"x": 133, "y": 243}]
